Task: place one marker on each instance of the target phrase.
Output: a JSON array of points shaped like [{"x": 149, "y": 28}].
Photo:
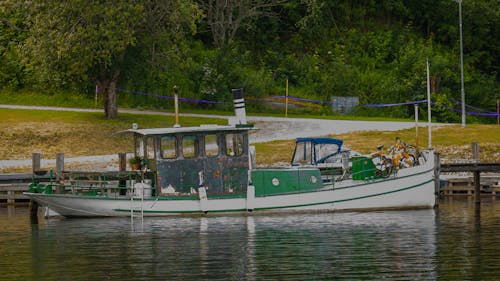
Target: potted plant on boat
[{"x": 135, "y": 162}]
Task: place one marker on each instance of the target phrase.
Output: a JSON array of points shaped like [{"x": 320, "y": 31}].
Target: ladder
[{"x": 137, "y": 201}]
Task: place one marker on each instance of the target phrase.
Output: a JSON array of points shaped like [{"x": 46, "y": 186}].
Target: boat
[{"x": 211, "y": 169}]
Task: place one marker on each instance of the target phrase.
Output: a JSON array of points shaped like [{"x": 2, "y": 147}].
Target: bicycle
[
  {"x": 382, "y": 162},
  {"x": 401, "y": 155}
]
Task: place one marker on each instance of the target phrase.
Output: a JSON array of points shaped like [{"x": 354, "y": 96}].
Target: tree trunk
[{"x": 109, "y": 97}]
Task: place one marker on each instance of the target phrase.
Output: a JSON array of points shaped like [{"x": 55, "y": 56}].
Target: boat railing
[
  {"x": 104, "y": 188},
  {"x": 378, "y": 165},
  {"x": 109, "y": 184}
]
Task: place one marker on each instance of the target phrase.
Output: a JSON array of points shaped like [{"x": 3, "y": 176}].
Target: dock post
[
  {"x": 477, "y": 187},
  {"x": 475, "y": 152},
  {"x": 122, "y": 161},
  {"x": 34, "y": 212},
  {"x": 477, "y": 174},
  {"x": 122, "y": 167},
  {"x": 36, "y": 162},
  {"x": 10, "y": 197},
  {"x": 59, "y": 170},
  {"x": 437, "y": 183},
  {"x": 59, "y": 164}
]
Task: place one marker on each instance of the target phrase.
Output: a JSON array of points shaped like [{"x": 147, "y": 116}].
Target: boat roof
[
  {"x": 200, "y": 129},
  {"x": 322, "y": 140}
]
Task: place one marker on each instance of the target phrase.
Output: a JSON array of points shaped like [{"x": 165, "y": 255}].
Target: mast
[{"x": 429, "y": 125}]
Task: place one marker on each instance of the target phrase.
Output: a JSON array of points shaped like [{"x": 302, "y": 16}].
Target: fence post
[
  {"x": 286, "y": 99},
  {"x": 498, "y": 111}
]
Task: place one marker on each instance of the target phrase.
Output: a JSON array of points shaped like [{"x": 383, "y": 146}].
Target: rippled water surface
[{"x": 454, "y": 242}]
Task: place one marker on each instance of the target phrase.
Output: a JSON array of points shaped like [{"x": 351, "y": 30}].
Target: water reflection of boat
[
  {"x": 210, "y": 169},
  {"x": 347, "y": 245}
]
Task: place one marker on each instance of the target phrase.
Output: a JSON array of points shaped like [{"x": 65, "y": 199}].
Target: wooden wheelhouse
[{"x": 180, "y": 160}]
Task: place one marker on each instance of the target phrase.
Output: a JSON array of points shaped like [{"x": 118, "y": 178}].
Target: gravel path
[
  {"x": 273, "y": 128},
  {"x": 270, "y": 128}
]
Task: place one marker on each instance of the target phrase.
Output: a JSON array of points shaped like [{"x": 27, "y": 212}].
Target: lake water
[{"x": 454, "y": 242}]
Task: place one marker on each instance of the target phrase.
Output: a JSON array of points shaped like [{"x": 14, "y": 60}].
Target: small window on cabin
[
  {"x": 234, "y": 144},
  {"x": 150, "y": 148},
  {"x": 190, "y": 146},
  {"x": 168, "y": 147},
  {"x": 211, "y": 145}
]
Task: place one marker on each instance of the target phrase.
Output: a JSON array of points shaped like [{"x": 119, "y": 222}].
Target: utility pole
[
  {"x": 176, "y": 105},
  {"x": 498, "y": 111},
  {"x": 286, "y": 98},
  {"x": 416, "y": 125},
  {"x": 462, "y": 91}
]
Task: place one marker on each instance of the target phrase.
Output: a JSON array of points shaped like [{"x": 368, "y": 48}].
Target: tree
[
  {"x": 12, "y": 32},
  {"x": 88, "y": 41},
  {"x": 226, "y": 17}
]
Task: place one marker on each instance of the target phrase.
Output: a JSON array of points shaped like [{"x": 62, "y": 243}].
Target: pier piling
[
  {"x": 34, "y": 212},
  {"x": 36, "y": 157},
  {"x": 437, "y": 171},
  {"x": 477, "y": 174},
  {"x": 122, "y": 161}
]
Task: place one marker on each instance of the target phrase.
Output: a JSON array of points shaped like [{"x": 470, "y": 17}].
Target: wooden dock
[
  {"x": 12, "y": 194},
  {"x": 12, "y": 187},
  {"x": 472, "y": 185},
  {"x": 464, "y": 186}
]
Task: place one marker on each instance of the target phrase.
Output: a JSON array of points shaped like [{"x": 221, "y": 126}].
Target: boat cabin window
[
  {"x": 326, "y": 153},
  {"x": 190, "y": 146},
  {"x": 150, "y": 148},
  {"x": 303, "y": 153},
  {"x": 234, "y": 144},
  {"x": 139, "y": 146},
  {"x": 211, "y": 145},
  {"x": 168, "y": 146}
]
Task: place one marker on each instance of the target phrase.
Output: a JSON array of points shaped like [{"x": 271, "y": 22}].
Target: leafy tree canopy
[
  {"x": 71, "y": 42},
  {"x": 372, "y": 49}
]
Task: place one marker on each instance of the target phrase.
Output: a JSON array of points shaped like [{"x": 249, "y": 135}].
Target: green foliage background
[{"x": 373, "y": 49}]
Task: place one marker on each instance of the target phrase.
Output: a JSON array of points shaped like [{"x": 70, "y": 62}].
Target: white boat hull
[{"x": 412, "y": 188}]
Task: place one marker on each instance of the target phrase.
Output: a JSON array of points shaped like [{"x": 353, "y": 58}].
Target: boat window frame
[
  {"x": 240, "y": 145},
  {"x": 175, "y": 150},
  {"x": 209, "y": 152},
  {"x": 150, "y": 148},
  {"x": 195, "y": 146}
]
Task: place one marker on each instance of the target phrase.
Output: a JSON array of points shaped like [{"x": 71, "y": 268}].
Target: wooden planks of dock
[
  {"x": 12, "y": 194},
  {"x": 464, "y": 186},
  {"x": 12, "y": 186}
]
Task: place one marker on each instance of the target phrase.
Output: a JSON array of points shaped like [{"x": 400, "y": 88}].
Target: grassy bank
[
  {"x": 74, "y": 133},
  {"x": 61, "y": 99},
  {"x": 79, "y": 134},
  {"x": 452, "y": 142}
]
